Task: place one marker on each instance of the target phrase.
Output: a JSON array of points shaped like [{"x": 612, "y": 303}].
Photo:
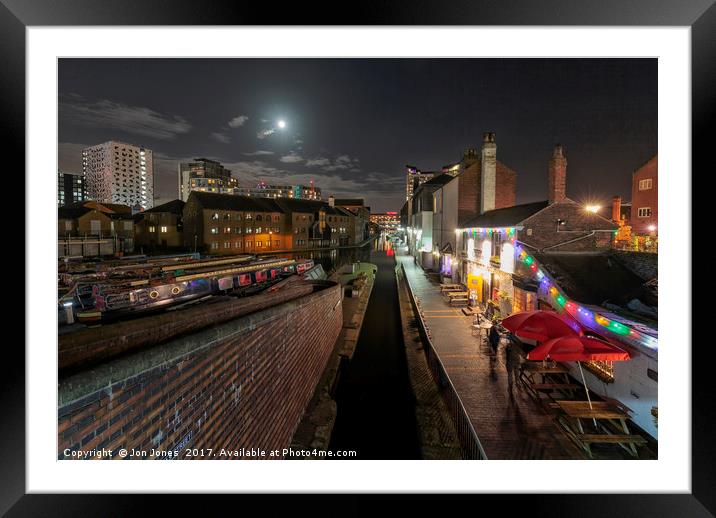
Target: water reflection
[{"x": 333, "y": 259}]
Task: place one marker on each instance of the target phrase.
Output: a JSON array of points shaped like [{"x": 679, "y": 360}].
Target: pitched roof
[
  {"x": 507, "y": 217},
  {"x": 349, "y": 201},
  {"x": 595, "y": 278},
  {"x": 300, "y": 205},
  {"x": 173, "y": 207},
  {"x": 210, "y": 200},
  {"x": 71, "y": 211},
  {"x": 439, "y": 180}
]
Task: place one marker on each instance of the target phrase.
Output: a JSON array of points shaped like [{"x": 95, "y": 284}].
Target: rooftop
[
  {"x": 350, "y": 201},
  {"x": 174, "y": 207},
  {"x": 507, "y": 217},
  {"x": 596, "y": 278}
]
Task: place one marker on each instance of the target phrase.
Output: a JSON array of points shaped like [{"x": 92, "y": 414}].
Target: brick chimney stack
[
  {"x": 489, "y": 172},
  {"x": 557, "y": 176},
  {"x": 331, "y": 201},
  {"x": 617, "y": 209}
]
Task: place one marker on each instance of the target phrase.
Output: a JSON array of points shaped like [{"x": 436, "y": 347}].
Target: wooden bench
[
  {"x": 612, "y": 438},
  {"x": 556, "y": 386},
  {"x": 628, "y": 442},
  {"x": 458, "y": 301}
]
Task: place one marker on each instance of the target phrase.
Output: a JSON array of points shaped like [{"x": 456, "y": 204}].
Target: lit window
[
  {"x": 152, "y": 229},
  {"x": 214, "y": 230},
  {"x": 164, "y": 230},
  {"x": 645, "y": 185},
  {"x": 214, "y": 245}
]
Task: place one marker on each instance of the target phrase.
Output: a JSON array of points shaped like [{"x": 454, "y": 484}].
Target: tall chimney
[
  {"x": 331, "y": 201},
  {"x": 557, "y": 176},
  {"x": 617, "y": 209},
  {"x": 489, "y": 173}
]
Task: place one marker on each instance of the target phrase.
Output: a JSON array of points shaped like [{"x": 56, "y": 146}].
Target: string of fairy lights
[
  {"x": 583, "y": 315},
  {"x": 578, "y": 311}
]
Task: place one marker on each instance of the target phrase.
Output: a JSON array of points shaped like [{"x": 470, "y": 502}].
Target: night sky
[{"x": 353, "y": 124}]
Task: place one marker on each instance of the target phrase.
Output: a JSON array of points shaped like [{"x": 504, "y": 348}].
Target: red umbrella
[
  {"x": 579, "y": 349},
  {"x": 541, "y": 325}
]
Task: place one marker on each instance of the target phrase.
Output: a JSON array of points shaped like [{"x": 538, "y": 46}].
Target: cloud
[
  {"x": 138, "y": 120},
  {"x": 259, "y": 152},
  {"x": 313, "y": 162},
  {"x": 291, "y": 158},
  {"x": 265, "y": 133},
  {"x": 238, "y": 121},
  {"x": 339, "y": 163},
  {"x": 220, "y": 137}
]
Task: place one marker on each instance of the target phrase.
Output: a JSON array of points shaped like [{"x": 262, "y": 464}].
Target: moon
[{"x": 281, "y": 124}]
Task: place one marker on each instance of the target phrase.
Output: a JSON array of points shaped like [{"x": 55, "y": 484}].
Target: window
[
  {"x": 214, "y": 230},
  {"x": 249, "y": 230},
  {"x": 237, "y": 244},
  {"x": 215, "y": 216},
  {"x": 248, "y": 216},
  {"x": 214, "y": 245},
  {"x": 237, "y": 230},
  {"x": 258, "y": 229},
  {"x": 644, "y": 212},
  {"x": 645, "y": 185},
  {"x": 227, "y": 216},
  {"x": 277, "y": 243},
  {"x": 68, "y": 225},
  {"x": 227, "y": 244},
  {"x": 259, "y": 244},
  {"x": 258, "y": 217},
  {"x": 227, "y": 230},
  {"x": 164, "y": 230}
]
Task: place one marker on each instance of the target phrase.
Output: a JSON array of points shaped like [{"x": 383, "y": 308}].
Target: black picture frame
[{"x": 700, "y": 15}]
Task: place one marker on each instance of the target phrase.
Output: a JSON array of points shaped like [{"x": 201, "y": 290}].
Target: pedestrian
[
  {"x": 494, "y": 338},
  {"x": 512, "y": 364}
]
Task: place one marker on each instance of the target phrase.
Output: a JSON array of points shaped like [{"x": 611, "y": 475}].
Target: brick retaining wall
[{"x": 241, "y": 384}]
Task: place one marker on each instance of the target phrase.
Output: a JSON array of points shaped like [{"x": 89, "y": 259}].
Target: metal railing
[{"x": 469, "y": 441}]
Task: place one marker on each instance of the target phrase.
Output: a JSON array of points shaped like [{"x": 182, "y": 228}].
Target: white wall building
[{"x": 116, "y": 172}]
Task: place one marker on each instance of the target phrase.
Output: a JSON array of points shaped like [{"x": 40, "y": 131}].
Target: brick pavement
[{"x": 508, "y": 422}]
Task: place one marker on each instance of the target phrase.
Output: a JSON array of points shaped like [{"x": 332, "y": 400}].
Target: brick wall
[
  {"x": 241, "y": 384},
  {"x": 540, "y": 230},
  {"x": 506, "y": 186},
  {"x": 645, "y": 198}
]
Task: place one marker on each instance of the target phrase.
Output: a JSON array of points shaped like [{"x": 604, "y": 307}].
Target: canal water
[
  {"x": 334, "y": 259},
  {"x": 376, "y": 405}
]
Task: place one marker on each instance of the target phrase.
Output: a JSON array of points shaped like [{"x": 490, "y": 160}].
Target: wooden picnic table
[
  {"x": 543, "y": 378},
  {"x": 452, "y": 294},
  {"x": 610, "y": 422}
]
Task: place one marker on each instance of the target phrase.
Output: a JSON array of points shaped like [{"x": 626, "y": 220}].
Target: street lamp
[
  {"x": 593, "y": 208},
  {"x": 270, "y": 234}
]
